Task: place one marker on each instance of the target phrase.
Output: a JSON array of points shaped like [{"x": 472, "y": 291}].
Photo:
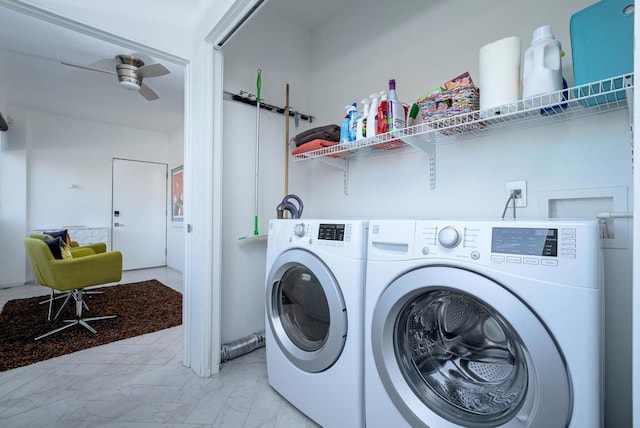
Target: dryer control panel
[{"x": 346, "y": 238}]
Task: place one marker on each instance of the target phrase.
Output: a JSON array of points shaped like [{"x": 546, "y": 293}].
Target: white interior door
[{"x": 139, "y": 213}]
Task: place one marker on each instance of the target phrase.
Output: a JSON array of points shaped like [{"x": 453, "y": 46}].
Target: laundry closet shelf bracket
[
  {"x": 340, "y": 163},
  {"x": 425, "y": 143}
]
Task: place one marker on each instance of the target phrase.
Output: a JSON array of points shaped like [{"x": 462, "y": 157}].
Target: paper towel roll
[{"x": 499, "y": 72}]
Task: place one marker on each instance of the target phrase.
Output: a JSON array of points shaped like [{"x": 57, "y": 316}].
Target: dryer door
[
  {"x": 306, "y": 310},
  {"x": 454, "y": 348}
]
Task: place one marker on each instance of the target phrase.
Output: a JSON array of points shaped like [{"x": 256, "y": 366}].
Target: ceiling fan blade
[
  {"x": 147, "y": 92},
  {"x": 152, "y": 70},
  {"x": 88, "y": 68}
]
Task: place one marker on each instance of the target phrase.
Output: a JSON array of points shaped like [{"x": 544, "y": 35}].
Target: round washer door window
[
  {"x": 306, "y": 310},
  {"x": 466, "y": 352}
]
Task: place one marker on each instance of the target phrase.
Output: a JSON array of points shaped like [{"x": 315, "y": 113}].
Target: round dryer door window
[
  {"x": 303, "y": 308},
  {"x": 306, "y": 310},
  {"x": 467, "y": 352}
]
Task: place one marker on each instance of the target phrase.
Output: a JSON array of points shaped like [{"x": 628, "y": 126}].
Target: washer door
[
  {"x": 454, "y": 348},
  {"x": 306, "y": 310}
]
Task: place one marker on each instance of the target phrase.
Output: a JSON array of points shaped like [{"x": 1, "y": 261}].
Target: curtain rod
[{"x": 247, "y": 98}]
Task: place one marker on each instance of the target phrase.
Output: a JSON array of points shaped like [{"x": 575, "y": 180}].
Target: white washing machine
[
  {"x": 483, "y": 324},
  {"x": 314, "y": 317}
]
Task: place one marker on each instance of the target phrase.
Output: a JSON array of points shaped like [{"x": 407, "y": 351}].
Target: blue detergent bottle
[
  {"x": 353, "y": 121},
  {"x": 344, "y": 126}
]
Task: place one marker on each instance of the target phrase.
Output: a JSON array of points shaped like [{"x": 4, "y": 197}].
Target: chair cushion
[
  {"x": 63, "y": 233},
  {"x": 55, "y": 245}
]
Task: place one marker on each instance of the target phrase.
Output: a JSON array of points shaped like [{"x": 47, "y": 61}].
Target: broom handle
[
  {"x": 257, "y": 168},
  {"x": 286, "y": 145}
]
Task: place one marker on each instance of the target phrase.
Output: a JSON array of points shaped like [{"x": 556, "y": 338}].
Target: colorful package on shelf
[
  {"x": 460, "y": 81},
  {"x": 450, "y": 103},
  {"x": 435, "y": 90}
]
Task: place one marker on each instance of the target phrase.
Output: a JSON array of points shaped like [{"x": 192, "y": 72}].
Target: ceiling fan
[{"x": 130, "y": 71}]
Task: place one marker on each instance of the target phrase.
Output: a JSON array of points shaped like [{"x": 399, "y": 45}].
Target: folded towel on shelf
[
  {"x": 326, "y": 133},
  {"x": 313, "y": 145},
  {"x": 319, "y": 144}
]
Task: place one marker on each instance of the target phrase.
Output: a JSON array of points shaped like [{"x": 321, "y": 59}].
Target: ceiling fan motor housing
[{"x": 126, "y": 68}]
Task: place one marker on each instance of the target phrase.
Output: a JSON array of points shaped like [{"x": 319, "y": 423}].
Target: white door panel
[{"x": 140, "y": 213}]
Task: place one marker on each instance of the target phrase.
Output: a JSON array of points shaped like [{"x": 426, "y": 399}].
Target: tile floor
[{"x": 140, "y": 382}]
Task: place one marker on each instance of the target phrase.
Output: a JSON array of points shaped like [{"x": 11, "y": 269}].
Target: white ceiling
[
  {"x": 309, "y": 14},
  {"x": 32, "y": 76}
]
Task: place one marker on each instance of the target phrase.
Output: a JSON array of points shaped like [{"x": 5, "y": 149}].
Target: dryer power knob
[
  {"x": 449, "y": 237},
  {"x": 299, "y": 230}
]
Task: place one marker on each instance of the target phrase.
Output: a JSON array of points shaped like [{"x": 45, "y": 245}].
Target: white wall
[
  {"x": 175, "y": 230},
  {"x": 13, "y": 204},
  {"x": 636, "y": 262},
  {"x": 243, "y": 261},
  {"x": 167, "y": 26},
  {"x": 66, "y": 150},
  {"x": 422, "y": 47},
  {"x": 48, "y": 153}
]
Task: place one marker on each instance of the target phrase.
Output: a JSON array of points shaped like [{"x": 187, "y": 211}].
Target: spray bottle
[
  {"x": 396, "y": 110},
  {"x": 372, "y": 119},
  {"x": 361, "y": 127},
  {"x": 353, "y": 121},
  {"x": 383, "y": 114},
  {"x": 344, "y": 126}
]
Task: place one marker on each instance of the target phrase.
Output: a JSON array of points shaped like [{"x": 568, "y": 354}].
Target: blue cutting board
[{"x": 602, "y": 43}]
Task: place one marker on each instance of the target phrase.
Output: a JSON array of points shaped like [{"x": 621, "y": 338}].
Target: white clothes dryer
[
  {"x": 314, "y": 317},
  {"x": 483, "y": 324}
]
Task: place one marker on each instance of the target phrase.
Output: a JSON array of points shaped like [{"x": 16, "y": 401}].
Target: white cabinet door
[{"x": 139, "y": 213}]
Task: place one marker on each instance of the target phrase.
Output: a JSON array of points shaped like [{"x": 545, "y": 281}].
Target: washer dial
[
  {"x": 449, "y": 237},
  {"x": 299, "y": 230}
]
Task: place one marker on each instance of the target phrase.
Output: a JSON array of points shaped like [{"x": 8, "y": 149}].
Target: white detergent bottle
[
  {"x": 542, "y": 69},
  {"x": 362, "y": 120},
  {"x": 372, "y": 119},
  {"x": 396, "y": 110}
]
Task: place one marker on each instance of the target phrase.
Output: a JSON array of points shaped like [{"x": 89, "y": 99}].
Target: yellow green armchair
[{"x": 73, "y": 275}]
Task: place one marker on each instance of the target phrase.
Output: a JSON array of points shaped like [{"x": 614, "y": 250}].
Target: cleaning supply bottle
[
  {"x": 344, "y": 126},
  {"x": 361, "y": 127},
  {"x": 396, "y": 110},
  {"x": 353, "y": 121},
  {"x": 372, "y": 119},
  {"x": 383, "y": 113},
  {"x": 542, "y": 69},
  {"x": 413, "y": 114}
]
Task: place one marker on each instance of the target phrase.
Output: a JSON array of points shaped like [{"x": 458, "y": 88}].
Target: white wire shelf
[{"x": 580, "y": 101}]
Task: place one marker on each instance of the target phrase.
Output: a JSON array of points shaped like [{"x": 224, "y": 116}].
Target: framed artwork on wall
[{"x": 177, "y": 192}]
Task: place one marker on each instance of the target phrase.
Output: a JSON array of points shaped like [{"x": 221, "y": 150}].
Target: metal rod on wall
[{"x": 250, "y": 99}]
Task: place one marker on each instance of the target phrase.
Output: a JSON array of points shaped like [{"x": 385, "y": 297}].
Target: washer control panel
[
  {"x": 510, "y": 242},
  {"x": 564, "y": 251}
]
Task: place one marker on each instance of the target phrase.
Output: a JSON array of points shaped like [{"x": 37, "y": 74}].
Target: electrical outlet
[{"x": 521, "y": 200}]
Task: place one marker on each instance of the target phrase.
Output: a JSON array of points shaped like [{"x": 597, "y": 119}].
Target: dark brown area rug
[{"x": 140, "y": 308}]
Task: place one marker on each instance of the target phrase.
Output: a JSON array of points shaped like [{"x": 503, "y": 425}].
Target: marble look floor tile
[{"x": 140, "y": 382}]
